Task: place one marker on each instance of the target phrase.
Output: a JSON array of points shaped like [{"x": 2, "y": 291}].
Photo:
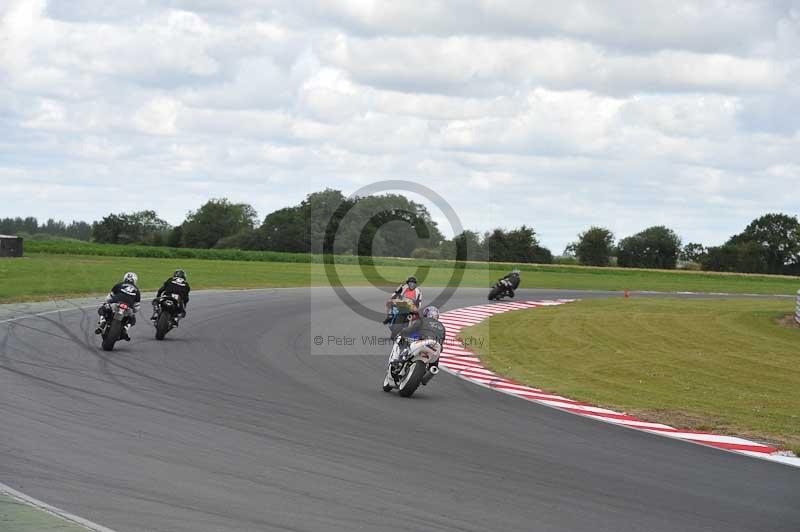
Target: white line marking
[
  {"x": 26, "y": 316},
  {"x": 52, "y": 510}
]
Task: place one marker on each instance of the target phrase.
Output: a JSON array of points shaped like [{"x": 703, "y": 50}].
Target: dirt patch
[{"x": 788, "y": 321}]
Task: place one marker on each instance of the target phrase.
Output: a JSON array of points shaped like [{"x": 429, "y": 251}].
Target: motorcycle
[
  {"x": 501, "y": 289},
  {"x": 417, "y": 365},
  {"x": 167, "y": 307},
  {"x": 403, "y": 312},
  {"x": 120, "y": 314}
]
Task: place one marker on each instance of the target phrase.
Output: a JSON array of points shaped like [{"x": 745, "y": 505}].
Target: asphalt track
[{"x": 232, "y": 425}]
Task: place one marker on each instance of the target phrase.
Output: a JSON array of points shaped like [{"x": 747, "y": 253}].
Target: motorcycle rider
[
  {"x": 125, "y": 292},
  {"x": 428, "y": 327},
  {"x": 513, "y": 281},
  {"x": 408, "y": 290},
  {"x": 177, "y": 284}
]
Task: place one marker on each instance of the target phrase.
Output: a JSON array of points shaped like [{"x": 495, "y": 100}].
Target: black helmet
[
  {"x": 179, "y": 273},
  {"x": 411, "y": 279}
]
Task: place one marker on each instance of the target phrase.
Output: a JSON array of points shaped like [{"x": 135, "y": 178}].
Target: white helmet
[
  {"x": 431, "y": 312},
  {"x": 131, "y": 278}
]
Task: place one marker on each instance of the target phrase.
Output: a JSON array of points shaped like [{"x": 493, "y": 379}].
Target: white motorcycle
[{"x": 417, "y": 364}]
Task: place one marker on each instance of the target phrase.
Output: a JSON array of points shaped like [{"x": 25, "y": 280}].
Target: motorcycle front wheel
[
  {"x": 412, "y": 379},
  {"x": 388, "y": 381}
]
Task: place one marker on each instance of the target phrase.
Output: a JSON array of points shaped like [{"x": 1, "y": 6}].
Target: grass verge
[
  {"x": 727, "y": 366},
  {"x": 44, "y": 275},
  {"x": 16, "y": 516}
]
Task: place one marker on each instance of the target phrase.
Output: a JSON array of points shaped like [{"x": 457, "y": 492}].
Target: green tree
[
  {"x": 693, "y": 252},
  {"x": 594, "y": 247},
  {"x": 655, "y": 247},
  {"x": 386, "y": 225},
  {"x": 175, "y": 237},
  {"x": 721, "y": 258},
  {"x": 322, "y": 213},
  {"x": 469, "y": 246},
  {"x": 143, "y": 227},
  {"x": 285, "y": 230},
  {"x": 744, "y": 257},
  {"x": 517, "y": 245},
  {"x": 541, "y": 255},
  {"x": 779, "y": 237},
  {"x": 216, "y": 219}
]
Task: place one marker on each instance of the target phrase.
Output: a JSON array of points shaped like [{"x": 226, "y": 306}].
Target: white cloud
[{"x": 575, "y": 113}]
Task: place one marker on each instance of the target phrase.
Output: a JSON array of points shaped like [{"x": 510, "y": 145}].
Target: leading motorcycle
[
  {"x": 403, "y": 312},
  {"x": 120, "y": 314},
  {"x": 501, "y": 289},
  {"x": 417, "y": 364}
]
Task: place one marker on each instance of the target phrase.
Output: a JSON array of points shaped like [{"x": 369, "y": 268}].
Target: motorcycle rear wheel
[
  {"x": 112, "y": 335},
  {"x": 162, "y": 325}
]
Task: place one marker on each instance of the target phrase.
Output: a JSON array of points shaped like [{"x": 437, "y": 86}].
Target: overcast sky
[{"x": 556, "y": 114}]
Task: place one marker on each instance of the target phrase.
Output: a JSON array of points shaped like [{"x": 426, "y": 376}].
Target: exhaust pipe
[{"x": 432, "y": 371}]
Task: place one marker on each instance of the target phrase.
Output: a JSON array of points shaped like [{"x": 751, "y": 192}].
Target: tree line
[
  {"x": 393, "y": 225},
  {"x": 326, "y": 221},
  {"x": 30, "y": 226},
  {"x": 769, "y": 244}
]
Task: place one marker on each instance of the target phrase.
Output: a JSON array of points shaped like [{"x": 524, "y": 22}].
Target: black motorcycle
[
  {"x": 167, "y": 307},
  {"x": 501, "y": 289},
  {"x": 117, "y": 316}
]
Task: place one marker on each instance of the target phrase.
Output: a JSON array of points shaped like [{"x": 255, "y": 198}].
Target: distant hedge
[{"x": 159, "y": 252}]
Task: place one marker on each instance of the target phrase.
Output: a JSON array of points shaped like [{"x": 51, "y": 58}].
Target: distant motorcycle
[
  {"x": 501, "y": 289},
  {"x": 167, "y": 307},
  {"x": 112, "y": 329},
  {"x": 417, "y": 365},
  {"x": 403, "y": 311}
]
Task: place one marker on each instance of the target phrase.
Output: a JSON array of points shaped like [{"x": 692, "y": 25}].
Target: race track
[{"x": 232, "y": 425}]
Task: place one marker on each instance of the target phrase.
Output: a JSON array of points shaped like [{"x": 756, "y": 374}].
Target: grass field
[
  {"x": 43, "y": 275},
  {"x": 16, "y": 516},
  {"x": 721, "y": 365}
]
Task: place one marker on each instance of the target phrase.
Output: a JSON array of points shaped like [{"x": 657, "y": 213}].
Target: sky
[{"x": 555, "y": 114}]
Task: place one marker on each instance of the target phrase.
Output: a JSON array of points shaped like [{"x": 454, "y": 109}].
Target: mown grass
[
  {"x": 16, "y": 516},
  {"x": 45, "y": 275},
  {"x": 726, "y": 366},
  {"x": 294, "y": 269},
  {"x": 42, "y": 276}
]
